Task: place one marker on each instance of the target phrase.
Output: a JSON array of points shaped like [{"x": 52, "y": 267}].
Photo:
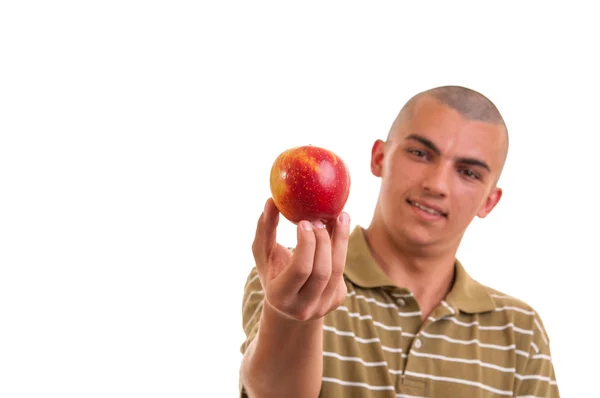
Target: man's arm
[
  {"x": 538, "y": 378},
  {"x": 283, "y": 357}
]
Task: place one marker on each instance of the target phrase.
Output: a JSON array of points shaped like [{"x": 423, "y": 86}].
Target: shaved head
[{"x": 470, "y": 104}]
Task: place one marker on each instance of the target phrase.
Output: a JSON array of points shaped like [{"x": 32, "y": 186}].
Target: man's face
[{"x": 438, "y": 172}]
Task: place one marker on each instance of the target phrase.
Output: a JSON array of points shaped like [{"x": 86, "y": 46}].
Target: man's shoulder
[
  {"x": 521, "y": 309},
  {"x": 502, "y": 299}
]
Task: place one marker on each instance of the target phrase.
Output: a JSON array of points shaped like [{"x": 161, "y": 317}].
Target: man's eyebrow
[
  {"x": 429, "y": 144},
  {"x": 474, "y": 162},
  {"x": 425, "y": 141}
]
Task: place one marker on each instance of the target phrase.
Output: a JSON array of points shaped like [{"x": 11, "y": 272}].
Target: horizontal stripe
[
  {"x": 384, "y": 304},
  {"x": 357, "y": 384},
  {"x": 460, "y": 381},
  {"x": 468, "y": 342},
  {"x": 410, "y": 314},
  {"x": 361, "y": 361},
  {"x": 351, "y": 334},
  {"x": 353, "y": 359},
  {"x": 372, "y": 300},
  {"x": 500, "y": 296},
  {"x": 354, "y": 314},
  {"x": 542, "y": 356},
  {"x": 393, "y": 329},
  {"x": 536, "y": 377},
  {"x": 376, "y": 323},
  {"x": 463, "y": 360},
  {"x": 402, "y": 295},
  {"x": 482, "y": 327},
  {"x": 529, "y": 396},
  {"x": 360, "y": 339},
  {"x": 513, "y": 308}
]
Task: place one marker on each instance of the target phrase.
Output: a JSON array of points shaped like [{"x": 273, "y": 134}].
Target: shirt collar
[{"x": 362, "y": 269}]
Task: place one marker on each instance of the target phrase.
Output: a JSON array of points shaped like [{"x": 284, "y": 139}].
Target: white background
[{"x": 136, "y": 140}]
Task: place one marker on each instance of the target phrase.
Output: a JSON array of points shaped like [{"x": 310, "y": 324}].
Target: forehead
[{"x": 452, "y": 132}]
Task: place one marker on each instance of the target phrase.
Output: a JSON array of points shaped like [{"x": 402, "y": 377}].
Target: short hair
[{"x": 469, "y": 103}]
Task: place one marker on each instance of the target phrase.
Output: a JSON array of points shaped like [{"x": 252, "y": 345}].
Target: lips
[{"x": 427, "y": 207}]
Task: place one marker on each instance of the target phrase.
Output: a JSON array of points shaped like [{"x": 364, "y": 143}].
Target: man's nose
[{"x": 436, "y": 180}]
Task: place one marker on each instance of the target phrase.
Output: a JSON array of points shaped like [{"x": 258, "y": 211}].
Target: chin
[
  {"x": 420, "y": 240},
  {"x": 414, "y": 236}
]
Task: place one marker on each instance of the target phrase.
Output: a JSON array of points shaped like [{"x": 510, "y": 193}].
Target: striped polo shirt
[{"x": 478, "y": 342}]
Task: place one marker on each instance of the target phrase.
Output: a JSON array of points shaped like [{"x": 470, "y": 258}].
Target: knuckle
[
  {"x": 337, "y": 271},
  {"x": 308, "y": 241},
  {"x": 302, "y": 270},
  {"x": 322, "y": 312},
  {"x": 258, "y": 249},
  {"x": 321, "y": 274},
  {"x": 303, "y": 314},
  {"x": 341, "y": 294},
  {"x": 321, "y": 233}
]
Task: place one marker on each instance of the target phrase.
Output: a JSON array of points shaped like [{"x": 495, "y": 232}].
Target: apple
[{"x": 309, "y": 183}]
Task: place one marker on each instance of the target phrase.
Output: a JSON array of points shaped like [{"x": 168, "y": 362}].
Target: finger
[
  {"x": 266, "y": 231},
  {"x": 293, "y": 277},
  {"x": 339, "y": 250},
  {"x": 321, "y": 270}
]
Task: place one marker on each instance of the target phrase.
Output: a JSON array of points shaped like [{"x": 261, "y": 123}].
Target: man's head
[{"x": 439, "y": 166}]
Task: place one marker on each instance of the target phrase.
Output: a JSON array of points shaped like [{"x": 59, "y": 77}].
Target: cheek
[
  {"x": 398, "y": 181},
  {"x": 467, "y": 199},
  {"x": 397, "y": 187}
]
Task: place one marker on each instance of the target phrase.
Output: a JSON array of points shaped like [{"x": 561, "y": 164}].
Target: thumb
[{"x": 265, "y": 237}]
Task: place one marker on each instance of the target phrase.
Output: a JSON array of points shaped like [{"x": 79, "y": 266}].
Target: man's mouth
[{"x": 427, "y": 209}]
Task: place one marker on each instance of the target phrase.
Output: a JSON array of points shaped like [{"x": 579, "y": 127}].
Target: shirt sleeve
[
  {"x": 252, "y": 302},
  {"x": 538, "y": 379}
]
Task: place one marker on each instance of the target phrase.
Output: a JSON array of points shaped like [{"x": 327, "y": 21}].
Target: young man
[{"x": 388, "y": 311}]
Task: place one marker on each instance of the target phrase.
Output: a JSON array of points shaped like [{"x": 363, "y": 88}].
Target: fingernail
[
  {"x": 318, "y": 224},
  {"x": 343, "y": 219},
  {"x": 305, "y": 225}
]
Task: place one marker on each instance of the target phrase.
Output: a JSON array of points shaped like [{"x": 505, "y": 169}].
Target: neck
[{"x": 428, "y": 272}]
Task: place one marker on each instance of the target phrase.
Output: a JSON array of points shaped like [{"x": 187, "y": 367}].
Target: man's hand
[{"x": 307, "y": 283}]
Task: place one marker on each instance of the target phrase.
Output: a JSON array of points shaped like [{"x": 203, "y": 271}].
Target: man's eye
[
  {"x": 469, "y": 173},
  {"x": 418, "y": 153}
]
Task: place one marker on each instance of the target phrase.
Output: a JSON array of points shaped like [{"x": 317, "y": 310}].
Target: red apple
[{"x": 310, "y": 183}]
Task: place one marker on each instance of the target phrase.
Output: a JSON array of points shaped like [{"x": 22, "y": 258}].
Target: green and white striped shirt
[{"x": 478, "y": 342}]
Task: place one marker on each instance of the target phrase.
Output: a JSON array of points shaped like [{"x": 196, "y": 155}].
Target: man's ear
[
  {"x": 491, "y": 202},
  {"x": 377, "y": 155}
]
